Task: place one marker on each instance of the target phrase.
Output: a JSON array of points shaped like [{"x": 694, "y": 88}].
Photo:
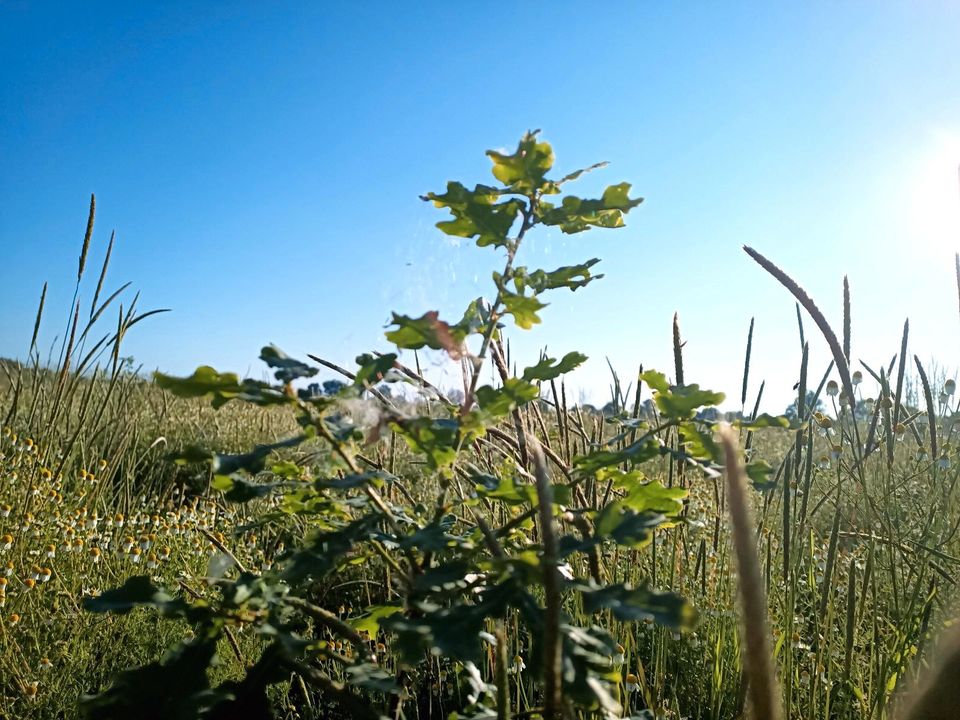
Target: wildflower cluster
[{"x": 60, "y": 537}]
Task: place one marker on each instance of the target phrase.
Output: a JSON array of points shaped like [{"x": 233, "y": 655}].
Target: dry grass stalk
[
  {"x": 762, "y": 684},
  {"x": 839, "y": 357},
  {"x": 846, "y": 319},
  {"x": 552, "y": 648},
  {"x": 938, "y": 695}
]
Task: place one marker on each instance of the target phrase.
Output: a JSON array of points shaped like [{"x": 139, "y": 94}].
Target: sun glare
[{"x": 934, "y": 196}]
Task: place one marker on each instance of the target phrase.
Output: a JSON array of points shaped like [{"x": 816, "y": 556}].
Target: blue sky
[{"x": 261, "y": 164}]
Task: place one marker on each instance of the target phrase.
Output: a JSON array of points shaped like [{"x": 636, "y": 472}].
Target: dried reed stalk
[
  {"x": 761, "y": 680},
  {"x": 938, "y": 695},
  {"x": 552, "y": 648}
]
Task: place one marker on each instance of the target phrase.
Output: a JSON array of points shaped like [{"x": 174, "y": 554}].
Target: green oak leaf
[
  {"x": 633, "y": 604},
  {"x": 504, "y": 400},
  {"x": 428, "y": 330},
  {"x": 524, "y": 308},
  {"x": 477, "y": 214},
  {"x": 549, "y": 369},
  {"x": 569, "y": 276},
  {"x": 524, "y": 170}
]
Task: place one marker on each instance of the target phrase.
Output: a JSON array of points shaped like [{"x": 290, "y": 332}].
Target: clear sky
[{"x": 261, "y": 165}]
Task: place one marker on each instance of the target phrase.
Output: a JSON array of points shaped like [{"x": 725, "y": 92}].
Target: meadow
[{"x": 216, "y": 547}]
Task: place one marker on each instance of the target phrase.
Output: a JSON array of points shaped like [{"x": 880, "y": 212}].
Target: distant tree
[
  {"x": 332, "y": 387},
  {"x": 709, "y": 414},
  {"x": 791, "y": 411}
]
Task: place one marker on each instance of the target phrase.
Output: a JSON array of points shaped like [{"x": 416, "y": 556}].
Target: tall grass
[{"x": 845, "y": 566}]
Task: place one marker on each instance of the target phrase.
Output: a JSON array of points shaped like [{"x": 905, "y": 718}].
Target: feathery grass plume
[
  {"x": 801, "y": 295},
  {"x": 36, "y": 323},
  {"x": 677, "y": 350},
  {"x": 552, "y": 648},
  {"x": 938, "y": 695},
  {"x": 897, "y": 404},
  {"x": 87, "y": 236},
  {"x": 931, "y": 415},
  {"x": 846, "y": 320},
  {"x": 762, "y": 683},
  {"x": 746, "y": 367}
]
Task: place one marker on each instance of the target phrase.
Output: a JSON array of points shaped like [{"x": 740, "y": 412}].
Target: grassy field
[{"x": 364, "y": 554}]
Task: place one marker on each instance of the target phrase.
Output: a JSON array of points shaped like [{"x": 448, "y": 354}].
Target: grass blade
[
  {"x": 746, "y": 366},
  {"x": 846, "y": 320}
]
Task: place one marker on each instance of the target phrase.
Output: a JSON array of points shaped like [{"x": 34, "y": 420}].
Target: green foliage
[
  {"x": 287, "y": 368},
  {"x": 176, "y": 687},
  {"x": 759, "y": 473},
  {"x": 221, "y": 388},
  {"x": 574, "y": 215},
  {"x": 570, "y": 276},
  {"x": 550, "y": 369},
  {"x": 426, "y": 331},
  {"x": 457, "y": 567},
  {"x": 373, "y": 369},
  {"x": 380, "y": 560},
  {"x": 634, "y": 454},
  {"x": 525, "y": 170},
  {"x": 137, "y": 591},
  {"x": 477, "y": 214},
  {"x": 436, "y": 439},
  {"x": 634, "y": 604},
  {"x": 524, "y": 308},
  {"x": 632, "y": 519},
  {"x": 765, "y": 420},
  {"x": 678, "y": 402},
  {"x": 504, "y": 400}
]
